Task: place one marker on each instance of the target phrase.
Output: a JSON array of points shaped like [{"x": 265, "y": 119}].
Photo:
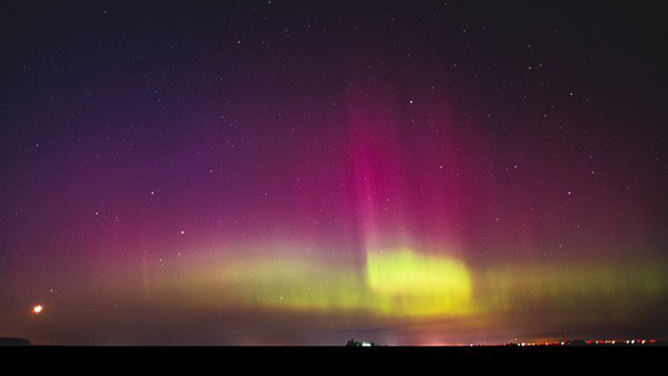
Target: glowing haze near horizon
[{"x": 308, "y": 172}]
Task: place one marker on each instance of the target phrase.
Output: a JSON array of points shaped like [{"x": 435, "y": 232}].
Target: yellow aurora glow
[
  {"x": 406, "y": 284},
  {"x": 399, "y": 283}
]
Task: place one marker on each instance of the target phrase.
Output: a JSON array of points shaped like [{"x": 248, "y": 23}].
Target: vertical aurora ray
[{"x": 376, "y": 174}]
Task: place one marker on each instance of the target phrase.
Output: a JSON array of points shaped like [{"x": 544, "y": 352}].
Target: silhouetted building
[
  {"x": 353, "y": 343},
  {"x": 8, "y": 341}
]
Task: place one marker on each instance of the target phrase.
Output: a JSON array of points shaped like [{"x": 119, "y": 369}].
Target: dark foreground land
[
  {"x": 15, "y": 341},
  {"x": 362, "y": 356}
]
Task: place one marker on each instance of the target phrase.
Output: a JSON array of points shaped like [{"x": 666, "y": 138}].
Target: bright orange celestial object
[{"x": 37, "y": 309}]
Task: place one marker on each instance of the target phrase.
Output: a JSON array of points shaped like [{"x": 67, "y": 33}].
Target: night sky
[{"x": 306, "y": 172}]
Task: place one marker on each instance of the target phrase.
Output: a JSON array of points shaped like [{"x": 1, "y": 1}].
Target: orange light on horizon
[{"x": 37, "y": 309}]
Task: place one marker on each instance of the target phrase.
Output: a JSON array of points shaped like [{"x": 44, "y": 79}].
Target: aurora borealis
[{"x": 302, "y": 172}]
